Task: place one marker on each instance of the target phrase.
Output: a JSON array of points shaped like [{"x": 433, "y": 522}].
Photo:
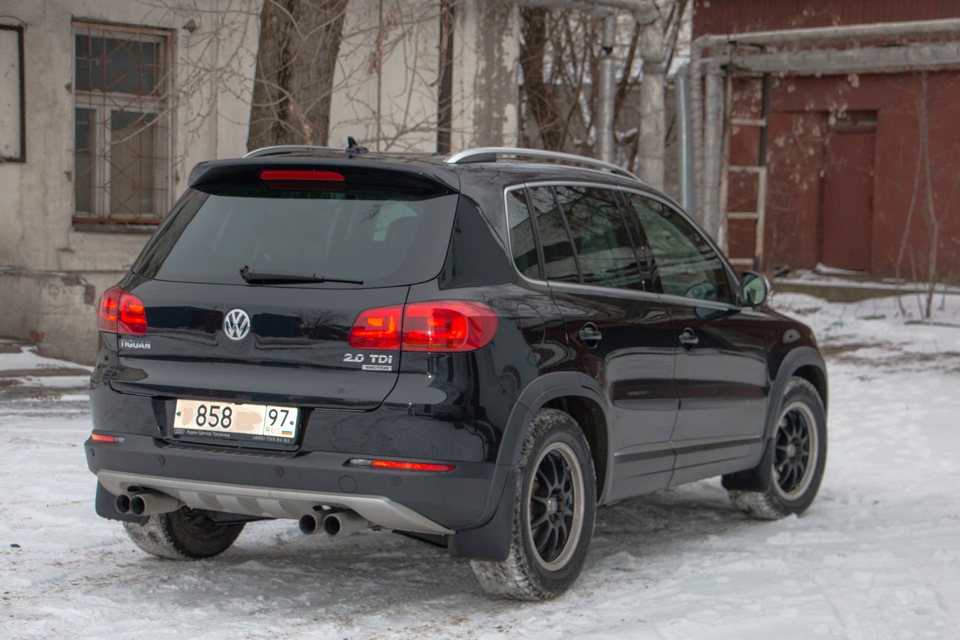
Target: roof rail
[
  {"x": 287, "y": 148},
  {"x": 490, "y": 154}
]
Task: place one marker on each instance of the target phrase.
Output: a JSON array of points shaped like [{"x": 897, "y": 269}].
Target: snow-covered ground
[{"x": 876, "y": 557}]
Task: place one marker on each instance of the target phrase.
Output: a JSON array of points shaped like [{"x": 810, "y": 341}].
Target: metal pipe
[
  {"x": 344, "y": 522},
  {"x": 607, "y": 83},
  {"x": 684, "y": 139},
  {"x": 148, "y": 504},
  {"x": 713, "y": 146}
]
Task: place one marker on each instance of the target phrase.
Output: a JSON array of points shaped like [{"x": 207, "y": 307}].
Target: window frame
[
  {"x": 102, "y": 106},
  {"x": 21, "y": 124}
]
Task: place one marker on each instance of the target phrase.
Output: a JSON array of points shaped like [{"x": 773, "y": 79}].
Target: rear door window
[
  {"x": 585, "y": 237},
  {"x": 364, "y": 235},
  {"x": 604, "y": 249}
]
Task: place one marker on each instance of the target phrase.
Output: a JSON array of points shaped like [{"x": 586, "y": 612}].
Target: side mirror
[{"x": 755, "y": 287}]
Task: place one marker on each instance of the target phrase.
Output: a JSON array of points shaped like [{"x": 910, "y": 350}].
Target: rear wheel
[
  {"x": 554, "y": 513},
  {"x": 186, "y": 534},
  {"x": 797, "y": 460}
]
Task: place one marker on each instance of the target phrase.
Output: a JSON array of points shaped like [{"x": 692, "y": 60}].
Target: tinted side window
[
  {"x": 686, "y": 264},
  {"x": 521, "y": 234},
  {"x": 560, "y": 263},
  {"x": 603, "y": 247}
]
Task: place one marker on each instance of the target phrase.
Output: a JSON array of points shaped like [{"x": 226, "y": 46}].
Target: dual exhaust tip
[
  {"x": 147, "y": 503},
  {"x": 333, "y": 523}
]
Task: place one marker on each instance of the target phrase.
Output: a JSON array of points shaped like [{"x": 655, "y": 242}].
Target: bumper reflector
[
  {"x": 99, "y": 437},
  {"x": 400, "y": 465}
]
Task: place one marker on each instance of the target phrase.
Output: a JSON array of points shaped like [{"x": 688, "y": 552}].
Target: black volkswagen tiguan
[{"x": 477, "y": 350}]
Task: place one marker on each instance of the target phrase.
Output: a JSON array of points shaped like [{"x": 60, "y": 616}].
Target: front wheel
[
  {"x": 186, "y": 534},
  {"x": 554, "y": 513},
  {"x": 797, "y": 460}
]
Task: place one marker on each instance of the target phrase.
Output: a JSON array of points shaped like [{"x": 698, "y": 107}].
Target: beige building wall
[
  {"x": 52, "y": 273},
  {"x": 386, "y": 91}
]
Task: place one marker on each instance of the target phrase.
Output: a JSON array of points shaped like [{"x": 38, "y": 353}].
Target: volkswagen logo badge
[{"x": 236, "y": 324}]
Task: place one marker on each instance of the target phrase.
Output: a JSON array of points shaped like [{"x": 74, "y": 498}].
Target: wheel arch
[
  {"x": 802, "y": 362},
  {"x": 574, "y": 393}
]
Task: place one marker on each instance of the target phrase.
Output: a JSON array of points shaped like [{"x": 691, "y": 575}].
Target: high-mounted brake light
[
  {"x": 400, "y": 465},
  {"x": 437, "y": 326},
  {"x": 288, "y": 175},
  {"x": 121, "y": 312}
]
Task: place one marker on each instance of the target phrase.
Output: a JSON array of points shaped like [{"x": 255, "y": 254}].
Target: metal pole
[
  {"x": 607, "y": 88},
  {"x": 684, "y": 139},
  {"x": 712, "y": 151}
]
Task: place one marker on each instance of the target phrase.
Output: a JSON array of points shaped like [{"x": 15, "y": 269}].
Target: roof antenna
[{"x": 353, "y": 149}]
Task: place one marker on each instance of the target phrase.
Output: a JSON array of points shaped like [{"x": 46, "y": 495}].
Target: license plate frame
[{"x": 256, "y": 423}]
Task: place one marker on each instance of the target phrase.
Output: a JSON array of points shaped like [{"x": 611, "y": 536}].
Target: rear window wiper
[{"x": 264, "y": 277}]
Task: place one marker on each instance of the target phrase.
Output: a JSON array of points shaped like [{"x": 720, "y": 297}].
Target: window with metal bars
[{"x": 122, "y": 144}]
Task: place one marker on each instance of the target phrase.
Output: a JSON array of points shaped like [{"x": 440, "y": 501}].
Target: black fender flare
[
  {"x": 538, "y": 393},
  {"x": 491, "y": 541}
]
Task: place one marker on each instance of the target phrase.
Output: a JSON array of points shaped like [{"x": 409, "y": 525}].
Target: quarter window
[
  {"x": 559, "y": 260},
  {"x": 686, "y": 264},
  {"x": 122, "y": 133},
  {"x": 521, "y": 234}
]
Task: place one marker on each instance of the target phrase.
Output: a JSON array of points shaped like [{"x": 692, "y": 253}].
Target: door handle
[
  {"x": 688, "y": 338},
  {"x": 590, "y": 335}
]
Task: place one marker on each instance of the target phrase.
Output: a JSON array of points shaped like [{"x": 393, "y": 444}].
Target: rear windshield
[{"x": 372, "y": 236}]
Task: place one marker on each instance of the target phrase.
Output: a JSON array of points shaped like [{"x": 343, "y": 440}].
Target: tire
[
  {"x": 186, "y": 534},
  {"x": 797, "y": 459},
  {"x": 553, "y": 514}
]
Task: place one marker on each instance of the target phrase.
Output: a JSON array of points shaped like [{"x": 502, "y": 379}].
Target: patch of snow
[{"x": 876, "y": 557}]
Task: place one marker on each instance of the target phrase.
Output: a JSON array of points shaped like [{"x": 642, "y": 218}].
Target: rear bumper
[
  {"x": 271, "y": 503},
  {"x": 284, "y": 486}
]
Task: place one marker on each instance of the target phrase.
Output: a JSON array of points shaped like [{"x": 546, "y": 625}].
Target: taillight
[
  {"x": 121, "y": 312},
  {"x": 456, "y": 325},
  {"x": 377, "y": 328},
  {"x": 439, "y": 326}
]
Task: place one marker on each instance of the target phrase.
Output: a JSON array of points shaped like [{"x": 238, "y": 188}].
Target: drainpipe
[
  {"x": 653, "y": 121},
  {"x": 684, "y": 139},
  {"x": 607, "y": 87}
]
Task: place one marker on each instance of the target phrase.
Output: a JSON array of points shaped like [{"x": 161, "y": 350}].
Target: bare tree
[
  {"x": 296, "y": 62},
  {"x": 934, "y": 212},
  {"x": 559, "y": 58}
]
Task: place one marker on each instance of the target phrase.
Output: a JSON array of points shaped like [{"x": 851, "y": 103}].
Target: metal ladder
[{"x": 758, "y": 214}]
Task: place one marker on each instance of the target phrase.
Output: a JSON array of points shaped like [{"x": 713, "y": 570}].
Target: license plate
[{"x": 266, "y": 423}]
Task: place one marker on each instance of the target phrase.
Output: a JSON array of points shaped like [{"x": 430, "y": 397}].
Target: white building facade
[{"x": 105, "y": 105}]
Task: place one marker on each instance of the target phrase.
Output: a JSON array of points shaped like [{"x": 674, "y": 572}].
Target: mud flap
[
  {"x": 756, "y": 479},
  {"x": 492, "y": 540}
]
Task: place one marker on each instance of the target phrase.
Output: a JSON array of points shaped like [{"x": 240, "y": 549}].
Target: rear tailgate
[
  {"x": 296, "y": 351},
  {"x": 252, "y": 285}
]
